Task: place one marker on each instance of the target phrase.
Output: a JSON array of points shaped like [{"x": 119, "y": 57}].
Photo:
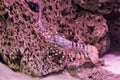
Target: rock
[
  {"x": 24, "y": 48},
  {"x": 69, "y": 20},
  {"x": 110, "y": 9},
  {"x": 99, "y": 6}
]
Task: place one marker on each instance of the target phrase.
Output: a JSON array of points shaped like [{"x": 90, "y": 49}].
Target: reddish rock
[
  {"x": 80, "y": 21},
  {"x": 76, "y": 24},
  {"x": 24, "y": 48},
  {"x": 99, "y": 6}
]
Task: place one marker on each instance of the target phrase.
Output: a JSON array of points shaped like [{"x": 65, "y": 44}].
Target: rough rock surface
[
  {"x": 21, "y": 39},
  {"x": 96, "y": 74},
  {"x": 24, "y": 48},
  {"x": 68, "y": 19},
  {"x": 100, "y": 6},
  {"x": 110, "y": 9}
]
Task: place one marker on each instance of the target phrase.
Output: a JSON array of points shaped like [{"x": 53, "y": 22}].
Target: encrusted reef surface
[
  {"x": 110, "y": 9},
  {"x": 22, "y": 46},
  {"x": 75, "y": 23},
  {"x": 25, "y": 48},
  {"x": 100, "y": 6}
]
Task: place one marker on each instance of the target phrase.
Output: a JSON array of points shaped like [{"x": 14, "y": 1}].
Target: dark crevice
[
  {"x": 113, "y": 29},
  {"x": 64, "y": 12},
  {"x": 25, "y": 17},
  {"x": 91, "y": 29},
  {"x": 79, "y": 9},
  {"x": 6, "y": 15},
  {"x": 1, "y": 59},
  {"x": 33, "y": 6}
]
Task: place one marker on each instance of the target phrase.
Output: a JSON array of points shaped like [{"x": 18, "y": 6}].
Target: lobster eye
[{"x": 33, "y": 6}]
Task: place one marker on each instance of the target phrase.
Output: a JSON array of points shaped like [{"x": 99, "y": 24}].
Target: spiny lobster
[{"x": 85, "y": 52}]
